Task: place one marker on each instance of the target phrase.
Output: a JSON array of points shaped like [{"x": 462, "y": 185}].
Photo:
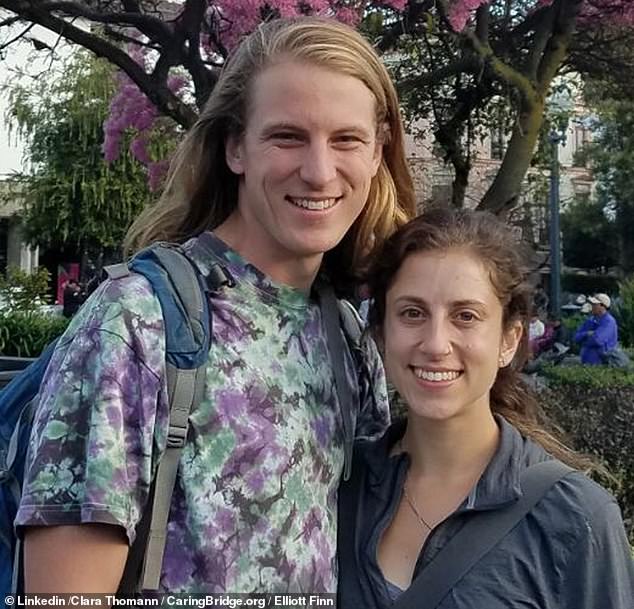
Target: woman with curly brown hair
[{"x": 451, "y": 309}]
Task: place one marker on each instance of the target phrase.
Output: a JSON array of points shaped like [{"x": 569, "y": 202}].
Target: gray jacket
[{"x": 569, "y": 552}]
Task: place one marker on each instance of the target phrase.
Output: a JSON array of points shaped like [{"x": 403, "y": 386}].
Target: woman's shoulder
[
  {"x": 575, "y": 510},
  {"x": 583, "y": 496}
]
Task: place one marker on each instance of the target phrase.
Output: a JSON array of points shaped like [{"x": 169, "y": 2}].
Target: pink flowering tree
[
  {"x": 457, "y": 62},
  {"x": 169, "y": 54},
  {"x": 475, "y": 66}
]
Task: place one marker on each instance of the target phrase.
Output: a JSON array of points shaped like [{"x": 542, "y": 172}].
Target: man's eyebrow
[
  {"x": 290, "y": 126},
  {"x": 280, "y": 126}
]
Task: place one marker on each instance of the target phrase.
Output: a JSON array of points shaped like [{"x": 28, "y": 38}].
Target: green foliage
[
  {"x": 593, "y": 405},
  {"x": 588, "y": 236},
  {"x": 589, "y": 284},
  {"x": 571, "y": 323},
  {"x": 22, "y": 291},
  {"x": 24, "y": 331},
  {"x": 73, "y": 199},
  {"x": 591, "y": 377},
  {"x": 612, "y": 158},
  {"x": 624, "y": 312},
  {"x": 25, "y": 334}
]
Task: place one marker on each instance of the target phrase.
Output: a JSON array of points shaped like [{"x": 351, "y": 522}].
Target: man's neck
[{"x": 283, "y": 267}]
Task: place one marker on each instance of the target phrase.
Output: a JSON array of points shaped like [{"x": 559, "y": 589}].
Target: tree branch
[
  {"x": 557, "y": 48},
  {"x": 157, "y": 92},
  {"x": 150, "y": 26},
  {"x": 543, "y": 31},
  {"x": 10, "y": 21},
  {"x": 469, "y": 65},
  {"x": 190, "y": 24},
  {"x": 16, "y": 38},
  {"x": 482, "y": 24}
]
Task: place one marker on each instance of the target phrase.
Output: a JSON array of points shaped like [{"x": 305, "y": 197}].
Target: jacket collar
[{"x": 499, "y": 483}]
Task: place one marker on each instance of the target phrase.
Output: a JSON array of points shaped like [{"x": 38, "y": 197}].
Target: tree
[
  {"x": 74, "y": 200},
  {"x": 464, "y": 55},
  {"x": 612, "y": 158},
  {"x": 473, "y": 65},
  {"x": 588, "y": 236}
]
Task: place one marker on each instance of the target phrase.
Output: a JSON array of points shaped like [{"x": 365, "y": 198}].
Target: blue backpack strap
[
  {"x": 181, "y": 290},
  {"x": 478, "y": 536}
]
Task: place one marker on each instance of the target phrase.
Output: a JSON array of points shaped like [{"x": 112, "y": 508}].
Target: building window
[
  {"x": 4, "y": 244},
  {"x": 582, "y": 139},
  {"x": 441, "y": 194},
  {"x": 498, "y": 143}
]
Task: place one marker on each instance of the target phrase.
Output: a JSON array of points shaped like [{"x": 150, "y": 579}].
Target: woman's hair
[
  {"x": 201, "y": 191},
  {"x": 494, "y": 244}
]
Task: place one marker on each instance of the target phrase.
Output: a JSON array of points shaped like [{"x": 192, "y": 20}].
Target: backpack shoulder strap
[
  {"x": 180, "y": 288},
  {"x": 350, "y": 321},
  {"x": 477, "y": 537},
  {"x": 335, "y": 314}
]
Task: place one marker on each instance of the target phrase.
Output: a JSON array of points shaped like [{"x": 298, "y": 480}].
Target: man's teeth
[
  {"x": 312, "y": 204},
  {"x": 428, "y": 375}
]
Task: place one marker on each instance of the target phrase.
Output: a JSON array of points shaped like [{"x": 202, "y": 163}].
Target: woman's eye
[
  {"x": 411, "y": 313},
  {"x": 466, "y": 316}
]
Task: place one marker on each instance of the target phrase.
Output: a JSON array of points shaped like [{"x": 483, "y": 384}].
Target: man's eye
[
  {"x": 349, "y": 140},
  {"x": 285, "y": 136}
]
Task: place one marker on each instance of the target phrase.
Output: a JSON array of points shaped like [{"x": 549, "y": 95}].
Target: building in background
[{"x": 13, "y": 250}]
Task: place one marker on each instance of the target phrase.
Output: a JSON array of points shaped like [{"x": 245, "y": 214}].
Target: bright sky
[
  {"x": 10, "y": 152},
  {"x": 19, "y": 58}
]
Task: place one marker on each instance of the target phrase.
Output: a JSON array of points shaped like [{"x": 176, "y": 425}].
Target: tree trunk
[
  {"x": 460, "y": 182},
  {"x": 507, "y": 185}
]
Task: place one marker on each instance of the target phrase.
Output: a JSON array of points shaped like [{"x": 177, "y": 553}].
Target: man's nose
[{"x": 318, "y": 164}]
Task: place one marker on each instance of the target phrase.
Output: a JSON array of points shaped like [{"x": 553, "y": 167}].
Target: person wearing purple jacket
[{"x": 599, "y": 333}]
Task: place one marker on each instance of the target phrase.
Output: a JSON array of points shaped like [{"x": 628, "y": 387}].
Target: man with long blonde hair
[{"x": 292, "y": 176}]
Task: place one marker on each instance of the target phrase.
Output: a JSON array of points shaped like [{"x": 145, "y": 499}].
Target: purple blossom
[{"x": 138, "y": 149}]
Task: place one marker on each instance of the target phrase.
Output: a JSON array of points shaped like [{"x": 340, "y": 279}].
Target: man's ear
[
  {"x": 377, "y": 155},
  {"x": 234, "y": 154}
]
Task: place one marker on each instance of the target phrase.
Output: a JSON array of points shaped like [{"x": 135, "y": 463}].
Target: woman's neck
[{"x": 456, "y": 448}]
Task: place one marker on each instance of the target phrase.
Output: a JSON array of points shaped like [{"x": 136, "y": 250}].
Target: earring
[{"x": 502, "y": 361}]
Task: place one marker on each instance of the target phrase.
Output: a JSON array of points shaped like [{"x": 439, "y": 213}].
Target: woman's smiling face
[{"x": 442, "y": 335}]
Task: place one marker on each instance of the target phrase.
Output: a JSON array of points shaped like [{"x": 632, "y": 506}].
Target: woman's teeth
[{"x": 429, "y": 375}]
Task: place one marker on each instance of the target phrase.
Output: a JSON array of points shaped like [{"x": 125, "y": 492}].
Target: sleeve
[
  {"x": 101, "y": 416},
  {"x": 580, "y": 334},
  {"x": 601, "y": 568},
  {"x": 603, "y": 335},
  {"x": 374, "y": 416}
]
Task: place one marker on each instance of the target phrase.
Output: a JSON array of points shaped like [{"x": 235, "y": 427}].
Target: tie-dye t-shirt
[{"x": 254, "y": 508}]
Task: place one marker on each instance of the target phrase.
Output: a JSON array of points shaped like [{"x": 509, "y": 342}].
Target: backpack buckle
[
  {"x": 176, "y": 436},
  {"x": 219, "y": 277}
]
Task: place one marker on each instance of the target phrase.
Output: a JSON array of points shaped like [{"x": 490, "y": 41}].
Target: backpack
[{"x": 182, "y": 292}]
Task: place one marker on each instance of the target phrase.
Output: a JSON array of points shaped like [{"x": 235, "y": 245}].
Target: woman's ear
[
  {"x": 510, "y": 342},
  {"x": 234, "y": 154}
]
